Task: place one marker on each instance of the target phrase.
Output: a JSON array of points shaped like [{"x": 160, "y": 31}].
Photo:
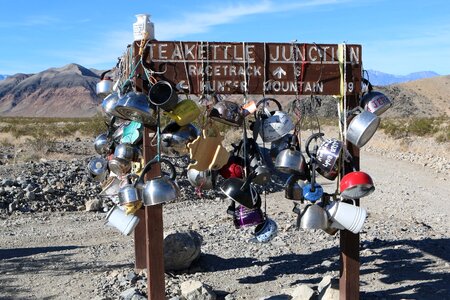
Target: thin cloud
[
  {"x": 193, "y": 23},
  {"x": 32, "y": 21}
]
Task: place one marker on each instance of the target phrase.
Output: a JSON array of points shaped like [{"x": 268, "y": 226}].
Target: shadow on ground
[
  {"x": 42, "y": 261},
  {"x": 411, "y": 269}
]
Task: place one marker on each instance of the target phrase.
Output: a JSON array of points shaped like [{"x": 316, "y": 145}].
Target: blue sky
[{"x": 397, "y": 36}]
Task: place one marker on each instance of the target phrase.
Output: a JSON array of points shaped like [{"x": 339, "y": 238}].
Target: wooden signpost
[{"x": 250, "y": 68}]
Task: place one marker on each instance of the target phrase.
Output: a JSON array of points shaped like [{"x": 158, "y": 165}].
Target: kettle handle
[
  {"x": 102, "y": 76},
  {"x": 269, "y": 99},
  {"x": 314, "y": 136},
  {"x": 148, "y": 166}
]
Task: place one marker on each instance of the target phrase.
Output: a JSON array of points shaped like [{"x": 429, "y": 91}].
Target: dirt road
[{"x": 405, "y": 245}]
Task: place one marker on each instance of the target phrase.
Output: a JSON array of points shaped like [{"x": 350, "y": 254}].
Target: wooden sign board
[{"x": 273, "y": 68}]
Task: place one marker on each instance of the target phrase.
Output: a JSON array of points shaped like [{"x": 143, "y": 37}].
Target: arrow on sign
[{"x": 279, "y": 72}]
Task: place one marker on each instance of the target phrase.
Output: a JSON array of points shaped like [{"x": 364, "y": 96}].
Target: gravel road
[{"x": 405, "y": 246}]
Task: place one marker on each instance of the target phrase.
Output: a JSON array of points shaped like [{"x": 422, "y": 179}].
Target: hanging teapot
[
  {"x": 273, "y": 125},
  {"x": 98, "y": 168},
  {"x": 227, "y": 112},
  {"x": 105, "y": 86},
  {"x": 174, "y": 138},
  {"x": 292, "y": 161},
  {"x": 205, "y": 180},
  {"x": 102, "y": 144},
  {"x": 160, "y": 189}
]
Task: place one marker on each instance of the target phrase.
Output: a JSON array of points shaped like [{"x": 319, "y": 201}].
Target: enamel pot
[
  {"x": 174, "y": 139},
  {"x": 242, "y": 191},
  {"x": 362, "y": 127},
  {"x": 105, "y": 86},
  {"x": 355, "y": 185},
  {"x": 275, "y": 124},
  {"x": 266, "y": 231},
  {"x": 136, "y": 107},
  {"x": 163, "y": 95},
  {"x": 160, "y": 189},
  {"x": 244, "y": 217},
  {"x": 375, "y": 102},
  {"x": 327, "y": 158},
  {"x": 227, "y": 112}
]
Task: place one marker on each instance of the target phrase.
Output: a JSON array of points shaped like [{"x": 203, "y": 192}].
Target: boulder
[{"x": 181, "y": 249}]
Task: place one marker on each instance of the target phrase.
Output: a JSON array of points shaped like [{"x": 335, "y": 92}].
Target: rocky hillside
[
  {"x": 70, "y": 92},
  {"x": 57, "y": 92},
  {"x": 421, "y": 98}
]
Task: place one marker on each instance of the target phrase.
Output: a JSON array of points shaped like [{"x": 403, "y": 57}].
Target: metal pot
[
  {"x": 163, "y": 95},
  {"x": 174, "y": 138},
  {"x": 136, "y": 107},
  {"x": 314, "y": 217},
  {"x": 292, "y": 161},
  {"x": 227, "y": 112},
  {"x": 292, "y": 189},
  {"x": 102, "y": 144},
  {"x": 127, "y": 152},
  {"x": 273, "y": 125},
  {"x": 279, "y": 145},
  {"x": 205, "y": 180},
  {"x": 128, "y": 193},
  {"x": 119, "y": 166},
  {"x": 375, "y": 102},
  {"x": 242, "y": 191},
  {"x": 355, "y": 185},
  {"x": 362, "y": 127},
  {"x": 109, "y": 105},
  {"x": 104, "y": 87},
  {"x": 98, "y": 168},
  {"x": 160, "y": 189}
]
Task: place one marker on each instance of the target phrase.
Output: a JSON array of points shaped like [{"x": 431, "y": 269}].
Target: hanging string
[
  {"x": 244, "y": 59},
  {"x": 185, "y": 67}
]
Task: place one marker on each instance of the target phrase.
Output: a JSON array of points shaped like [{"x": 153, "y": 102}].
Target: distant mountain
[
  {"x": 380, "y": 78},
  {"x": 3, "y": 76},
  {"x": 68, "y": 91}
]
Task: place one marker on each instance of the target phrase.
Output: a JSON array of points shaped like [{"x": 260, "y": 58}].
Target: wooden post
[
  {"x": 349, "y": 242},
  {"x": 149, "y": 234}
]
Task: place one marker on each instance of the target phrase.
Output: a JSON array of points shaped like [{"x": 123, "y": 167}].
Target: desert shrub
[{"x": 422, "y": 126}]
